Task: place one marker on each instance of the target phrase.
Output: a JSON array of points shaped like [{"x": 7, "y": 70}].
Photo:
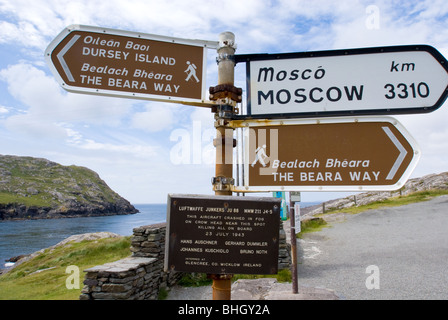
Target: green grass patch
[
  {"x": 194, "y": 280},
  {"x": 283, "y": 275},
  {"x": 24, "y": 282},
  {"x": 317, "y": 223},
  {"x": 313, "y": 225},
  {"x": 201, "y": 279},
  {"x": 40, "y": 200}
]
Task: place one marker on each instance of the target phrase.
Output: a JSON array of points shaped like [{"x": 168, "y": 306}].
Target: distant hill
[{"x": 35, "y": 188}]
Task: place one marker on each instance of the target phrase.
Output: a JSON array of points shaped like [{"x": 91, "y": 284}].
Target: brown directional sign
[
  {"x": 127, "y": 64},
  {"x": 332, "y": 154},
  {"x": 222, "y": 234}
]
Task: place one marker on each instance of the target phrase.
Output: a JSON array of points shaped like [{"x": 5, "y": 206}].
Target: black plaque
[{"x": 222, "y": 234}]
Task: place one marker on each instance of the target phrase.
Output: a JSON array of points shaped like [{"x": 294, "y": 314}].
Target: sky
[{"x": 134, "y": 144}]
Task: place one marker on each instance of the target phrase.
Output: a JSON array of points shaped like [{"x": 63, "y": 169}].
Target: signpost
[
  {"x": 367, "y": 81},
  {"x": 222, "y": 234},
  {"x": 332, "y": 154},
  {"x": 119, "y": 63}
]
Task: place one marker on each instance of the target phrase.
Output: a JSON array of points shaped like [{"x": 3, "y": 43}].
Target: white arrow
[
  {"x": 61, "y": 59},
  {"x": 400, "y": 157}
]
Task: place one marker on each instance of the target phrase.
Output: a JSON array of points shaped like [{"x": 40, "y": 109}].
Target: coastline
[
  {"x": 21, "y": 237},
  {"x": 428, "y": 182},
  {"x": 64, "y": 216},
  {"x": 74, "y": 238}
]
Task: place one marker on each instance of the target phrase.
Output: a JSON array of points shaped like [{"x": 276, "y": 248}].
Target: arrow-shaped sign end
[
  {"x": 400, "y": 157},
  {"x": 61, "y": 59}
]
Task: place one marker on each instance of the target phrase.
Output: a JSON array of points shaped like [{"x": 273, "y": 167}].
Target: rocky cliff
[{"x": 34, "y": 188}]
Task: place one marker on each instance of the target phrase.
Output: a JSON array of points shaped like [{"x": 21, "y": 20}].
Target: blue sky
[{"x": 119, "y": 138}]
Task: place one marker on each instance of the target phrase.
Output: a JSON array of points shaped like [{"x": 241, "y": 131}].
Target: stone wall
[
  {"x": 138, "y": 277},
  {"x": 284, "y": 250},
  {"x": 131, "y": 278},
  {"x": 141, "y": 276}
]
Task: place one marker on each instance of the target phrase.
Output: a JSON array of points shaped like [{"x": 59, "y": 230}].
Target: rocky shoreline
[{"x": 21, "y": 212}]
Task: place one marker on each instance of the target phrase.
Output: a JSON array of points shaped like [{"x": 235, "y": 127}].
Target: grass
[
  {"x": 71, "y": 182},
  {"x": 317, "y": 223},
  {"x": 201, "y": 279},
  {"x": 194, "y": 280},
  {"x": 40, "y": 200},
  {"x": 283, "y": 275},
  {"x": 44, "y": 277},
  {"x": 393, "y": 202},
  {"x": 312, "y": 225}
]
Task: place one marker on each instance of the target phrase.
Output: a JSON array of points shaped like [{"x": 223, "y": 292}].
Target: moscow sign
[
  {"x": 367, "y": 81},
  {"x": 119, "y": 63},
  {"x": 328, "y": 154}
]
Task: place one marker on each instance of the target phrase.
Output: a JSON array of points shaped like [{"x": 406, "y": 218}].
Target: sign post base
[{"x": 222, "y": 286}]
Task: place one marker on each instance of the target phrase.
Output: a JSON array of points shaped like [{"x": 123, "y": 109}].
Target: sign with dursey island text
[{"x": 118, "y": 63}]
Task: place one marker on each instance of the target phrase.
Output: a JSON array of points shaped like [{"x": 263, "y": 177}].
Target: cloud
[
  {"x": 140, "y": 151},
  {"x": 260, "y": 24},
  {"x": 3, "y": 110},
  {"x": 156, "y": 117},
  {"x": 48, "y": 104},
  {"x": 430, "y": 132}
]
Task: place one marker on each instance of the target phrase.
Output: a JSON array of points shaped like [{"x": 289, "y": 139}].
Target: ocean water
[{"x": 28, "y": 236}]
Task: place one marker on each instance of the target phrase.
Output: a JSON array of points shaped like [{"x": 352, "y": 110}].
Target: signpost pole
[
  {"x": 224, "y": 141},
  {"x": 295, "y": 286}
]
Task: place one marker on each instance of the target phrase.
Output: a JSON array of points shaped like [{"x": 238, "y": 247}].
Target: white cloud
[
  {"x": 48, "y": 104},
  {"x": 3, "y": 110},
  {"x": 157, "y": 117},
  {"x": 145, "y": 152}
]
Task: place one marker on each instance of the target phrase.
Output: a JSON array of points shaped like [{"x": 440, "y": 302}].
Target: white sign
[
  {"x": 297, "y": 225},
  {"x": 295, "y": 196},
  {"x": 388, "y": 80}
]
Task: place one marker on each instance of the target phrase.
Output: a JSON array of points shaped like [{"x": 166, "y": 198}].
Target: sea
[{"x": 27, "y": 236}]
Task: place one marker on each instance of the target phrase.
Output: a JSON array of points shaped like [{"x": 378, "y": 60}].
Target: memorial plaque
[{"x": 222, "y": 234}]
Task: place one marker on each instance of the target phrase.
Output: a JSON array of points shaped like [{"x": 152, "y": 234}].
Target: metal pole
[
  {"x": 224, "y": 141},
  {"x": 295, "y": 285}
]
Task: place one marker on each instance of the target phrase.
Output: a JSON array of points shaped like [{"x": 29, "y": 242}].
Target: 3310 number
[{"x": 404, "y": 91}]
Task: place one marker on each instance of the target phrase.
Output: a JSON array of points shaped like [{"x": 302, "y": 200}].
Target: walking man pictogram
[
  {"x": 260, "y": 156},
  {"x": 191, "y": 70}
]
